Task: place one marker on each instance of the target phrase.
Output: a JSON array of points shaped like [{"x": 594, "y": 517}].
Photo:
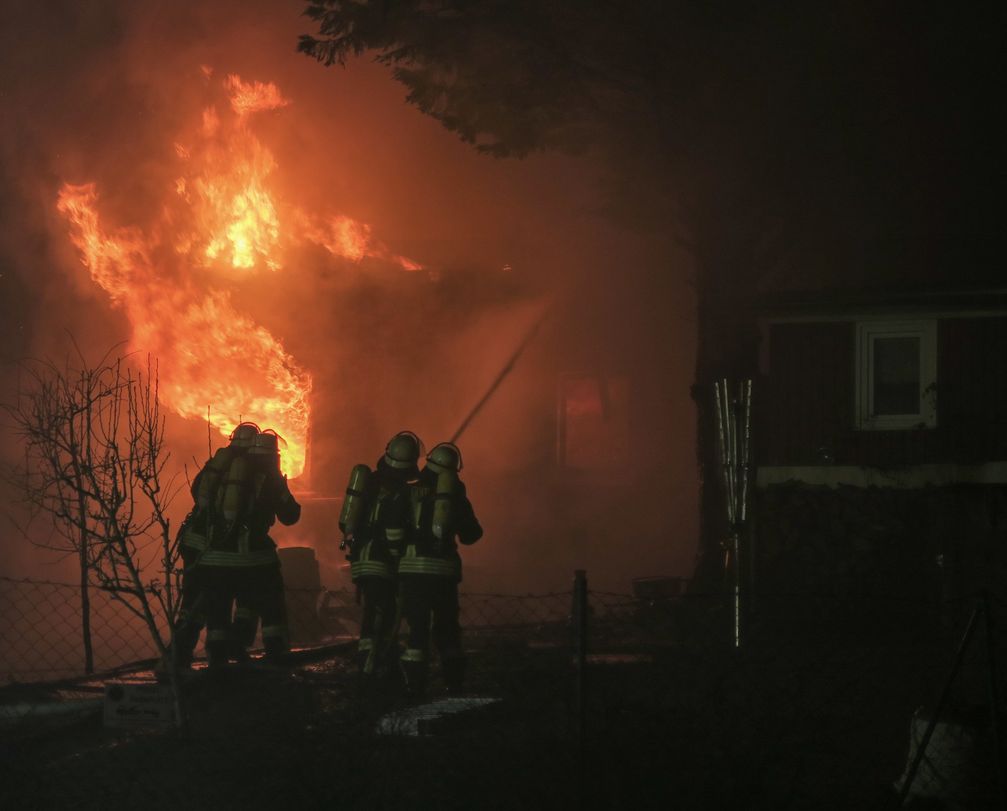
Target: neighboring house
[{"x": 881, "y": 445}]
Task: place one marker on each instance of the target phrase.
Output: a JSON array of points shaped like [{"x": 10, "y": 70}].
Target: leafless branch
[{"x": 95, "y": 464}]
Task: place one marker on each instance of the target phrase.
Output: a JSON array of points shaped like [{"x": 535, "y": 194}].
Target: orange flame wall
[
  {"x": 210, "y": 355},
  {"x": 221, "y": 214}
]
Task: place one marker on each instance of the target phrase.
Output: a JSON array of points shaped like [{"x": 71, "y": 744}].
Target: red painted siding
[{"x": 806, "y": 407}]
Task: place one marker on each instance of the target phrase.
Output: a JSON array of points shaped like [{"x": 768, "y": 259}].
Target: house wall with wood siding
[{"x": 806, "y": 411}]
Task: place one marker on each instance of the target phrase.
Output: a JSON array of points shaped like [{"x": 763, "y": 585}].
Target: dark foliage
[
  {"x": 804, "y": 129},
  {"x": 791, "y": 145}
]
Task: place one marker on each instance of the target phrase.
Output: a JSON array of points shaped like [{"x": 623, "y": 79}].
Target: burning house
[
  {"x": 678, "y": 194},
  {"x": 220, "y": 218},
  {"x": 298, "y": 317}
]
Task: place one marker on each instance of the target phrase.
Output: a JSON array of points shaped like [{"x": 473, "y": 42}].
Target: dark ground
[{"x": 789, "y": 722}]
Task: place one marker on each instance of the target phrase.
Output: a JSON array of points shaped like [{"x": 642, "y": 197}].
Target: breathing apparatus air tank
[
  {"x": 353, "y": 504},
  {"x": 446, "y": 461},
  {"x": 447, "y": 483},
  {"x": 232, "y": 495},
  {"x": 211, "y": 477}
]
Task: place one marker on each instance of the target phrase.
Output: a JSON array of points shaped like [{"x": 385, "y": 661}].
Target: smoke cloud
[{"x": 98, "y": 93}]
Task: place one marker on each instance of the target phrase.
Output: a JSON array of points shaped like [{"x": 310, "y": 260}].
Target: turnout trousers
[
  {"x": 259, "y": 591},
  {"x": 379, "y": 622},
  {"x": 430, "y": 606},
  {"x": 192, "y": 611}
]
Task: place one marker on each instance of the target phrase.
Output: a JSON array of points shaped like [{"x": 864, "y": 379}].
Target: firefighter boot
[
  {"x": 217, "y": 651},
  {"x": 184, "y": 643},
  {"x": 389, "y": 669},
  {"x": 277, "y": 650},
  {"x": 453, "y": 671},
  {"x": 414, "y": 672},
  {"x": 178, "y": 654},
  {"x": 365, "y": 658},
  {"x": 243, "y": 628},
  {"x": 240, "y": 655}
]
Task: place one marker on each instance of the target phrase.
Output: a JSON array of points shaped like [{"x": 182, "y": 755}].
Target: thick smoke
[{"x": 97, "y": 92}]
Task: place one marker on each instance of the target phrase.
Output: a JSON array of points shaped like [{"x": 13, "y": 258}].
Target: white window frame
[{"x": 867, "y": 333}]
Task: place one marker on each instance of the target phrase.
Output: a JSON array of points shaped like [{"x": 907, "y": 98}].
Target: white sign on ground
[
  {"x": 429, "y": 718},
  {"x": 129, "y": 705}
]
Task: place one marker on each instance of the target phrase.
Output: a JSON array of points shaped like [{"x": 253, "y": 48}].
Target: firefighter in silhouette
[
  {"x": 430, "y": 569},
  {"x": 192, "y": 540},
  {"x": 375, "y": 520},
  {"x": 239, "y": 563}
]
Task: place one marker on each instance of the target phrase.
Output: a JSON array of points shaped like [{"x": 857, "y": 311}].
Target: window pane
[
  {"x": 595, "y": 413},
  {"x": 896, "y": 376}
]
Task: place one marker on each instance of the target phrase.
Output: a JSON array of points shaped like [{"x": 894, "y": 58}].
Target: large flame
[
  {"x": 211, "y": 357},
  {"x": 220, "y": 214}
]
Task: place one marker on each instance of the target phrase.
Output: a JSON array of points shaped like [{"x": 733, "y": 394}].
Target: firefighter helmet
[
  {"x": 243, "y": 436},
  {"x": 265, "y": 443},
  {"x": 403, "y": 450},
  {"x": 445, "y": 457}
]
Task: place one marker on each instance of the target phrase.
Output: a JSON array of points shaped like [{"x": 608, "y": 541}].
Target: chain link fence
[
  {"x": 627, "y": 698},
  {"x": 42, "y": 635},
  {"x": 41, "y": 640}
]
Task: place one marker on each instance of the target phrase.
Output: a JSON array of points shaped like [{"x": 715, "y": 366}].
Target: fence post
[
  {"x": 994, "y": 698},
  {"x": 579, "y": 616},
  {"x": 941, "y": 702},
  {"x": 580, "y": 640}
]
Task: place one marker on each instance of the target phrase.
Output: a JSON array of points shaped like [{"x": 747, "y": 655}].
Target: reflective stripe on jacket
[
  {"x": 364, "y": 564},
  {"x": 412, "y": 563},
  {"x": 238, "y": 560},
  {"x": 426, "y": 554},
  {"x": 379, "y": 540}
]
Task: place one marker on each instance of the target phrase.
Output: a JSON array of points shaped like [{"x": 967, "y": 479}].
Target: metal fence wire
[
  {"x": 826, "y": 695},
  {"x": 41, "y": 637}
]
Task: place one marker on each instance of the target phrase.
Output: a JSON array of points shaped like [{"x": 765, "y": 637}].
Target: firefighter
[
  {"x": 375, "y": 520},
  {"x": 240, "y": 561},
  {"x": 430, "y": 569},
  {"x": 192, "y": 540}
]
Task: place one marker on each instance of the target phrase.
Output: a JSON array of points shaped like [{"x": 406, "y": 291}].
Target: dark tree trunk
[{"x": 85, "y": 611}]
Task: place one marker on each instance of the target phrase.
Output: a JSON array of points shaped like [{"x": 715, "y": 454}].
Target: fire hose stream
[{"x": 508, "y": 367}]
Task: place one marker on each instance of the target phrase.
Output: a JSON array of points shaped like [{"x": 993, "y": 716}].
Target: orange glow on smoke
[
  {"x": 209, "y": 353},
  {"x": 221, "y": 214}
]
